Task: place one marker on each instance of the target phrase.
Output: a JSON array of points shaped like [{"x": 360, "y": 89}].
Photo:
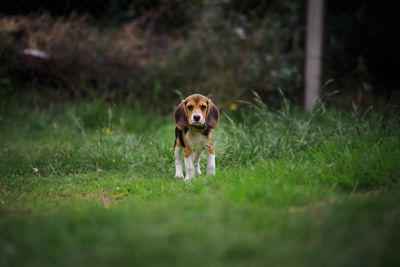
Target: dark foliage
[
  {"x": 362, "y": 48},
  {"x": 149, "y": 50}
]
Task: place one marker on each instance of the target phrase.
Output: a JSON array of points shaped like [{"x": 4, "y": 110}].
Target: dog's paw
[
  {"x": 178, "y": 175},
  {"x": 189, "y": 176},
  {"x": 211, "y": 170},
  {"x": 198, "y": 171}
]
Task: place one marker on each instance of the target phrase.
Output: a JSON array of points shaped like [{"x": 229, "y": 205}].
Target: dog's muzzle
[{"x": 196, "y": 119}]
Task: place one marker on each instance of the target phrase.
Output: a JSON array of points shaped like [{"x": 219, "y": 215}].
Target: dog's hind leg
[
  {"x": 196, "y": 161},
  {"x": 189, "y": 167}
]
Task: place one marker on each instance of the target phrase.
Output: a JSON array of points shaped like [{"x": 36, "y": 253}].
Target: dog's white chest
[{"x": 197, "y": 141}]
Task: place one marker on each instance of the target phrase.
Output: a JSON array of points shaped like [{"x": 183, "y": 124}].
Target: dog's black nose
[{"x": 196, "y": 117}]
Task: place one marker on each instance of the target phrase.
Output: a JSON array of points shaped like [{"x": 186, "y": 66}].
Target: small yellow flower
[
  {"x": 107, "y": 130},
  {"x": 120, "y": 195},
  {"x": 233, "y": 106},
  {"x": 113, "y": 160}
]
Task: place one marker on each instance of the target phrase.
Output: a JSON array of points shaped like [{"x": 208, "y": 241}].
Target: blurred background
[{"x": 156, "y": 51}]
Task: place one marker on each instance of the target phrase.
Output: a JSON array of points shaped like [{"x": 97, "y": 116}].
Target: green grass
[{"x": 291, "y": 189}]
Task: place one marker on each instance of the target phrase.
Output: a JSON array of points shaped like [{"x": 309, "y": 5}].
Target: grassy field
[{"x": 92, "y": 185}]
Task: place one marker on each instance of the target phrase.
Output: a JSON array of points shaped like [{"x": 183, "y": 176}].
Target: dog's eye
[
  {"x": 190, "y": 107},
  {"x": 203, "y": 107}
]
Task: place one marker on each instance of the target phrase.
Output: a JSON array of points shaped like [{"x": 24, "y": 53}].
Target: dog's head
[{"x": 197, "y": 111}]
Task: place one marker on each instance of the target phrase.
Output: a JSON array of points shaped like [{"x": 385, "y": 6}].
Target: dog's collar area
[{"x": 198, "y": 127}]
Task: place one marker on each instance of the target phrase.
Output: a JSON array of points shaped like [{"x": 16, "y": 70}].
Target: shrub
[
  {"x": 75, "y": 56},
  {"x": 220, "y": 49}
]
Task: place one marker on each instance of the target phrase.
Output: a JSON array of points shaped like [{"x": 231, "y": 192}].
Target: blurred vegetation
[
  {"x": 221, "y": 48},
  {"x": 148, "y": 51}
]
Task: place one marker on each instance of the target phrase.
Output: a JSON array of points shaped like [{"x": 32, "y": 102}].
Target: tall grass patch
[{"x": 92, "y": 183}]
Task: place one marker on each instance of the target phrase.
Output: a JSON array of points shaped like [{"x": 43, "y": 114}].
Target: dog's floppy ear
[
  {"x": 180, "y": 117},
  {"x": 212, "y": 115}
]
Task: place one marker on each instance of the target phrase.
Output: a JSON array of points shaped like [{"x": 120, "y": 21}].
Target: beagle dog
[{"x": 195, "y": 118}]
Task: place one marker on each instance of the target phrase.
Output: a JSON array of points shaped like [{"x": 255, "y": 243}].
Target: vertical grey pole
[{"x": 313, "y": 52}]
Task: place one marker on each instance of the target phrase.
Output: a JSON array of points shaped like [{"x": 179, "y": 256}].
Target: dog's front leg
[
  {"x": 211, "y": 161},
  {"x": 210, "y": 164},
  {"x": 178, "y": 163},
  {"x": 189, "y": 166}
]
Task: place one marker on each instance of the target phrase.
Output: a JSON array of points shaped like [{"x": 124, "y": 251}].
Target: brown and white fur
[{"x": 195, "y": 118}]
